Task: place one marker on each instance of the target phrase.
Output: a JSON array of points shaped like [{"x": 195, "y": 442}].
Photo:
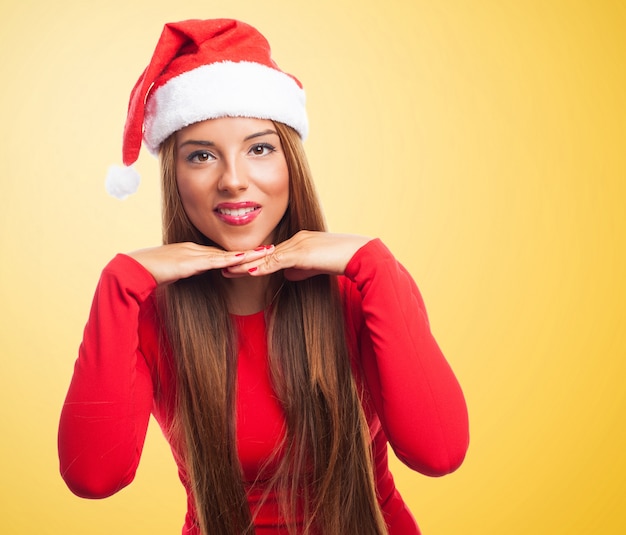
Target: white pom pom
[{"x": 121, "y": 181}]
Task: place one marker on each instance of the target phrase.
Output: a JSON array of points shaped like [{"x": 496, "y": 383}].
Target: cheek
[
  {"x": 189, "y": 191},
  {"x": 280, "y": 197},
  {"x": 186, "y": 195},
  {"x": 189, "y": 204},
  {"x": 280, "y": 189},
  {"x": 186, "y": 203}
]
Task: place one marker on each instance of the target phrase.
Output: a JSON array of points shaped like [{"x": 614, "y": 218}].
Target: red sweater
[{"x": 416, "y": 402}]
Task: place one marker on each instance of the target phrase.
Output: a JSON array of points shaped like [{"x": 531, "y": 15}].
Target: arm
[
  {"x": 415, "y": 393},
  {"x": 105, "y": 415}
]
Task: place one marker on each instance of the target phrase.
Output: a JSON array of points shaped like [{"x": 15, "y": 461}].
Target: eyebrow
[
  {"x": 206, "y": 143},
  {"x": 196, "y": 142},
  {"x": 259, "y": 134}
]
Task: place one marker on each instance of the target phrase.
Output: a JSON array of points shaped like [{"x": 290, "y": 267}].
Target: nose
[{"x": 233, "y": 178}]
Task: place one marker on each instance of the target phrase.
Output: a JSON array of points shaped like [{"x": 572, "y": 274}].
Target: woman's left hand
[{"x": 304, "y": 255}]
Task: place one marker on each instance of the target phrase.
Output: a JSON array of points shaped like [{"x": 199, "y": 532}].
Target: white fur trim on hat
[{"x": 223, "y": 89}]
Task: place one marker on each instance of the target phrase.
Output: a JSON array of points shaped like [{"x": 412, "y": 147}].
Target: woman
[{"x": 279, "y": 359}]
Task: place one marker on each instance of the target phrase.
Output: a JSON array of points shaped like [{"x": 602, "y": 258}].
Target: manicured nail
[
  {"x": 252, "y": 269},
  {"x": 261, "y": 248},
  {"x": 240, "y": 254}
]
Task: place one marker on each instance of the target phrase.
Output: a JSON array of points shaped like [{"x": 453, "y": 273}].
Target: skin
[{"x": 235, "y": 160}]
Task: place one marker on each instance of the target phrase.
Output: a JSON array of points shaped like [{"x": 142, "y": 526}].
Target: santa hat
[{"x": 204, "y": 69}]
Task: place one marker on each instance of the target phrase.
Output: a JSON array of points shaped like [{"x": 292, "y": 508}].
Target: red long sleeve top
[{"x": 416, "y": 404}]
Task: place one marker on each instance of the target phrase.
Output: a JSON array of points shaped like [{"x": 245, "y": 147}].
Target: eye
[
  {"x": 200, "y": 156},
  {"x": 261, "y": 149}
]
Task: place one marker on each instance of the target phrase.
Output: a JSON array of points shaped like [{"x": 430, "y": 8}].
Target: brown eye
[
  {"x": 261, "y": 149},
  {"x": 200, "y": 156}
]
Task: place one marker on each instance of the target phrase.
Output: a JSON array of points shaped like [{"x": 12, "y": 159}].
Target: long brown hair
[{"x": 325, "y": 466}]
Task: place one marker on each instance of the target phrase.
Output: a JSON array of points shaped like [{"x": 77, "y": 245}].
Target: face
[{"x": 233, "y": 180}]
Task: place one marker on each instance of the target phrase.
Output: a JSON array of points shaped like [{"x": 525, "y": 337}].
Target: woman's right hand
[{"x": 169, "y": 263}]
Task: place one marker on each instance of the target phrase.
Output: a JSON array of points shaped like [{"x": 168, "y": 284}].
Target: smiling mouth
[{"x": 237, "y": 212}]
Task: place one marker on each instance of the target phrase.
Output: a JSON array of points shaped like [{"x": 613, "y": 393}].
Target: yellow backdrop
[{"x": 483, "y": 141}]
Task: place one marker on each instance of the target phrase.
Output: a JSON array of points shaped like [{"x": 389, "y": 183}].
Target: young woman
[{"x": 278, "y": 358}]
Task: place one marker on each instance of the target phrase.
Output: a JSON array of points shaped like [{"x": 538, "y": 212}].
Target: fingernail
[
  {"x": 240, "y": 254},
  {"x": 252, "y": 269},
  {"x": 269, "y": 246},
  {"x": 261, "y": 248}
]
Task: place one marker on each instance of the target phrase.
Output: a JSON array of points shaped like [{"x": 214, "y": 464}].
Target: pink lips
[{"x": 237, "y": 213}]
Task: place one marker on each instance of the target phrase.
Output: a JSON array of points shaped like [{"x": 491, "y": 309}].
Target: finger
[
  {"x": 227, "y": 274},
  {"x": 245, "y": 260},
  {"x": 234, "y": 258},
  {"x": 273, "y": 262},
  {"x": 186, "y": 260},
  {"x": 255, "y": 268}
]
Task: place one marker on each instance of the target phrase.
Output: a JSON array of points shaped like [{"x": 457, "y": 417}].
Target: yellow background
[{"x": 483, "y": 141}]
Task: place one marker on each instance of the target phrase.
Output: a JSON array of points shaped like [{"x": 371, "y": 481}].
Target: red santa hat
[{"x": 204, "y": 69}]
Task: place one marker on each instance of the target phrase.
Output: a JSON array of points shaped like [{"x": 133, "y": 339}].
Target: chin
[{"x": 243, "y": 244}]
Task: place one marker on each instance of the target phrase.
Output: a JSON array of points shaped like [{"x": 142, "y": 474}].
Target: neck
[{"x": 249, "y": 295}]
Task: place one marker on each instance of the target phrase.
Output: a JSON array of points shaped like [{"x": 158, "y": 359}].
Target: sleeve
[
  {"x": 106, "y": 412},
  {"x": 411, "y": 385}
]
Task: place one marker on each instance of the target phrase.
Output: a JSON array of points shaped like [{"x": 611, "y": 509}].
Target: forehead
[{"x": 225, "y": 128}]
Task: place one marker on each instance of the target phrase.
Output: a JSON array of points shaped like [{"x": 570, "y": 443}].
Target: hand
[
  {"x": 304, "y": 255},
  {"x": 169, "y": 263}
]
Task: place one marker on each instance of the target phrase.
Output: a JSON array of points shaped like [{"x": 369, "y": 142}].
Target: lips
[{"x": 237, "y": 213}]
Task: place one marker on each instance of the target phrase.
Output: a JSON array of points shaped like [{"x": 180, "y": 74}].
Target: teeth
[{"x": 237, "y": 212}]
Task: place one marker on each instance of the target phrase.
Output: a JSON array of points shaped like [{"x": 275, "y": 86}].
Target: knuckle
[
  {"x": 273, "y": 259},
  {"x": 304, "y": 235}
]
